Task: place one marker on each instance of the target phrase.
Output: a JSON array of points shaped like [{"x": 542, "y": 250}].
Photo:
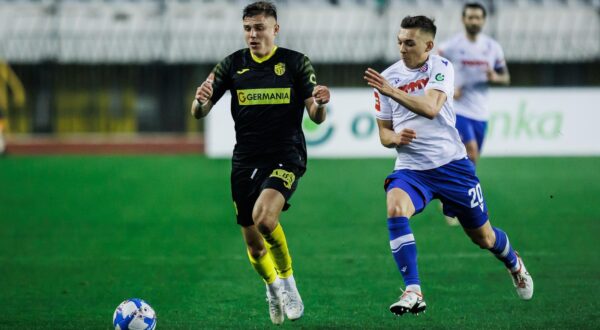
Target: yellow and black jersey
[{"x": 267, "y": 105}]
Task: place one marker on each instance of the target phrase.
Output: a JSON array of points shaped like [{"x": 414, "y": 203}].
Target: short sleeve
[
  {"x": 383, "y": 110},
  {"x": 222, "y": 81},
  {"x": 306, "y": 78},
  {"x": 441, "y": 77}
]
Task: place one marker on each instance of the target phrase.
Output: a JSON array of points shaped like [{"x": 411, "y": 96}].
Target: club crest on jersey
[
  {"x": 424, "y": 68},
  {"x": 279, "y": 68}
]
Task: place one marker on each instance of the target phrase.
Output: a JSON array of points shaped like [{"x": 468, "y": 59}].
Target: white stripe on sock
[
  {"x": 401, "y": 246},
  {"x": 506, "y": 248},
  {"x": 397, "y": 242}
]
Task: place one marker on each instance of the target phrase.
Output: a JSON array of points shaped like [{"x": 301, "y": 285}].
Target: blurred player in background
[
  {"x": 2, "y": 142},
  {"x": 12, "y": 98},
  {"x": 416, "y": 117},
  {"x": 478, "y": 62},
  {"x": 270, "y": 88}
]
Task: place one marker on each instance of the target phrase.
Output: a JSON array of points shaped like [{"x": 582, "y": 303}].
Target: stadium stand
[{"x": 341, "y": 31}]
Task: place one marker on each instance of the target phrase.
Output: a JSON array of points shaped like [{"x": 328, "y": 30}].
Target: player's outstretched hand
[
  {"x": 377, "y": 81},
  {"x": 321, "y": 94},
  {"x": 406, "y": 136},
  {"x": 205, "y": 91}
]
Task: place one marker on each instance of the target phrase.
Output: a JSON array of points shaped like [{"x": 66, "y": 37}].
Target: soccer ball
[{"x": 134, "y": 314}]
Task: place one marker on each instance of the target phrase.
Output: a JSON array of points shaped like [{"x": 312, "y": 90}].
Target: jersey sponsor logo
[
  {"x": 287, "y": 177},
  {"x": 414, "y": 85},
  {"x": 377, "y": 102},
  {"x": 439, "y": 77},
  {"x": 242, "y": 71},
  {"x": 263, "y": 96},
  {"x": 279, "y": 68},
  {"x": 474, "y": 63}
]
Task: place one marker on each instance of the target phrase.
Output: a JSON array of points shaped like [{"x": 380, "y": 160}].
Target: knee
[
  {"x": 264, "y": 220},
  {"x": 256, "y": 252},
  {"x": 397, "y": 211},
  {"x": 484, "y": 241}
]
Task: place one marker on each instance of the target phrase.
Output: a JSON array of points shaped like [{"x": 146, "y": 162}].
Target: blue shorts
[
  {"x": 471, "y": 130},
  {"x": 455, "y": 184}
]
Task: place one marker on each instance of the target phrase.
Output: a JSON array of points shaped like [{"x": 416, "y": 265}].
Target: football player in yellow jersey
[{"x": 270, "y": 87}]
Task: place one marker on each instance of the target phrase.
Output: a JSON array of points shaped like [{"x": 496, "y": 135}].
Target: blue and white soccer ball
[{"x": 134, "y": 314}]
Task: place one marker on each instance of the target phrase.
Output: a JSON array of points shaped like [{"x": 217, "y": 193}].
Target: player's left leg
[
  {"x": 496, "y": 241},
  {"x": 271, "y": 202},
  {"x": 462, "y": 194},
  {"x": 263, "y": 264}
]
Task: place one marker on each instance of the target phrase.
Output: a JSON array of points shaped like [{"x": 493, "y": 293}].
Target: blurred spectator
[{"x": 10, "y": 85}]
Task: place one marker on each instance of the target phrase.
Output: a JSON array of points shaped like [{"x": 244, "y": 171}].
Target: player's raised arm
[
  {"x": 315, "y": 105},
  {"x": 202, "y": 104},
  {"x": 428, "y": 105}
]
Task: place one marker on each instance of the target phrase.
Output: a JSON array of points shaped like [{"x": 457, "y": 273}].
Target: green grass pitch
[{"x": 80, "y": 234}]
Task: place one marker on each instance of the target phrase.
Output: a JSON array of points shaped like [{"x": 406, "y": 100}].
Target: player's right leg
[{"x": 400, "y": 207}]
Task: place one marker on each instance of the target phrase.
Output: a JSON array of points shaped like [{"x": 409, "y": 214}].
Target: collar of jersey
[
  {"x": 264, "y": 58},
  {"x": 419, "y": 68}
]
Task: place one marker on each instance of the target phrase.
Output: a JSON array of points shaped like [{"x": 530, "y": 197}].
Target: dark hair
[
  {"x": 260, "y": 8},
  {"x": 474, "y": 5},
  {"x": 419, "y": 22}
]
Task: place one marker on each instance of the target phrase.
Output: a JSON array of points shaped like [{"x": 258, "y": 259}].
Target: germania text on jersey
[{"x": 263, "y": 96}]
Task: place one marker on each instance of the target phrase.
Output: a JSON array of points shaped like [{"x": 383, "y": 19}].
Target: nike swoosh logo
[{"x": 242, "y": 71}]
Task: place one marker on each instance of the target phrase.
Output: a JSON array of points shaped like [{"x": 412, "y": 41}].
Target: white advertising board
[{"x": 524, "y": 122}]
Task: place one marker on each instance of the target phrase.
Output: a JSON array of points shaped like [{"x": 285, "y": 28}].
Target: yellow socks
[
  {"x": 278, "y": 249},
  {"x": 264, "y": 267}
]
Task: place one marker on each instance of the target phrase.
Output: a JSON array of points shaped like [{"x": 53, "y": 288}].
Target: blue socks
[
  {"x": 503, "y": 251},
  {"x": 404, "y": 250}
]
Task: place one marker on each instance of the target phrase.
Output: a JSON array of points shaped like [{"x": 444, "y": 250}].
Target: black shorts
[{"x": 248, "y": 183}]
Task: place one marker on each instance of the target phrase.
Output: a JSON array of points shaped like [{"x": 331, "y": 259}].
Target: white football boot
[
  {"x": 410, "y": 301},
  {"x": 275, "y": 301},
  {"x": 522, "y": 281},
  {"x": 292, "y": 302}
]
